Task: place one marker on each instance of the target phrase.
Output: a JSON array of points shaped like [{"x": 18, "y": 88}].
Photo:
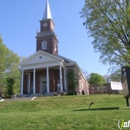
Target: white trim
[
  {"x": 70, "y": 64},
  {"x": 22, "y": 80},
  {"x": 61, "y": 84},
  {"x": 71, "y": 68},
  {"x": 34, "y": 78},
  {"x": 33, "y": 98},
  {"x": 48, "y": 89},
  {"x": 41, "y": 65},
  {"x": 65, "y": 79},
  {"x": 44, "y": 45},
  {"x": 63, "y": 64}
]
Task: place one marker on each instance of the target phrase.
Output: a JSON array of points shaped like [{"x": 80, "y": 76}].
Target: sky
[{"x": 19, "y": 22}]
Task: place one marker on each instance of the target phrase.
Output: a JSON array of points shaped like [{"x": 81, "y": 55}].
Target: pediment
[{"x": 40, "y": 57}]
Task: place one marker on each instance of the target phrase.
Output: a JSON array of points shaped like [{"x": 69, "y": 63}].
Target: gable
[{"x": 40, "y": 57}]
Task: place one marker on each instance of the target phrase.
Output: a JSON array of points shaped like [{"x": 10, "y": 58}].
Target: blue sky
[{"x": 19, "y": 22}]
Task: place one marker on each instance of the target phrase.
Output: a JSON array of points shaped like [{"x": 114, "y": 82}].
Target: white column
[
  {"x": 28, "y": 83},
  {"x": 48, "y": 86},
  {"x": 22, "y": 76},
  {"x": 65, "y": 79},
  {"x": 61, "y": 86},
  {"x": 34, "y": 75}
]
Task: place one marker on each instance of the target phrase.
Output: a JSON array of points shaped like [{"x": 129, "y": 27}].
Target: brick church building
[{"x": 45, "y": 71}]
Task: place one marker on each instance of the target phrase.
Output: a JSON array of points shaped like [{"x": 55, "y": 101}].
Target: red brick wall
[
  {"x": 50, "y": 25},
  {"x": 82, "y": 86},
  {"x": 54, "y": 79},
  {"x": 102, "y": 89}
]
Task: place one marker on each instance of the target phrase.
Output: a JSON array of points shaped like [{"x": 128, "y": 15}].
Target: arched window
[{"x": 44, "y": 45}]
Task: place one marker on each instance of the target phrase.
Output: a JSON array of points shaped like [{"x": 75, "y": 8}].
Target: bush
[{"x": 9, "y": 87}]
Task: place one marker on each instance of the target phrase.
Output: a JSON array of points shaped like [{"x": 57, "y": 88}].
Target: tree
[
  {"x": 22, "y": 59},
  {"x": 9, "y": 66},
  {"x": 96, "y": 79},
  {"x": 108, "y": 22},
  {"x": 116, "y": 76},
  {"x": 73, "y": 80},
  {"x": 9, "y": 87},
  {"x": 85, "y": 73},
  {"x": 3, "y": 52},
  {"x": 12, "y": 69}
]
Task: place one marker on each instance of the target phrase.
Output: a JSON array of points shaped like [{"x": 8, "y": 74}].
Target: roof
[{"x": 66, "y": 59}]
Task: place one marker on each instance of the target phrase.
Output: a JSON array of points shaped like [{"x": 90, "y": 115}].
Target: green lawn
[{"x": 64, "y": 113}]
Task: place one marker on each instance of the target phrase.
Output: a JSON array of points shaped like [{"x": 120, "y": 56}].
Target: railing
[{"x": 45, "y": 33}]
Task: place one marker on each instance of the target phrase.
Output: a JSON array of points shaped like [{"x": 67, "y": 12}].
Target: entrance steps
[
  {"x": 37, "y": 95},
  {"x": 42, "y": 95}
]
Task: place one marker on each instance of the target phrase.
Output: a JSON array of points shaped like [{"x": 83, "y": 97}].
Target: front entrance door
[{"x": 43, "y": 87}]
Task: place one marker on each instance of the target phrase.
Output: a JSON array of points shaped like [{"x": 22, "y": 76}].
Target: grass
[{"x": 64, "y": 113}]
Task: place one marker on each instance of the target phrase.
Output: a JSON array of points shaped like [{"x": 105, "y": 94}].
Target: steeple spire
[{"x": 47, "y": 11}]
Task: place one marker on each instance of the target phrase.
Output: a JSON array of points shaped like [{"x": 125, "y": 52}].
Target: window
[
  {"x": 40, "y": 57},
  {"x": 105, "y": 88},
  {"x": 98, "y": 89},
  {"x": 93, "y": 89},
  {"x": 44, "y": 45}
]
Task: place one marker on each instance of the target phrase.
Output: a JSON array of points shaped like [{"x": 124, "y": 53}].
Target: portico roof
[{"x": 41, "y": 59}]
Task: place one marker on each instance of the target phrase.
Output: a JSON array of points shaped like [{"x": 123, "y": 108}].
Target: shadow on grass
[{"x": 96, "y": 109}]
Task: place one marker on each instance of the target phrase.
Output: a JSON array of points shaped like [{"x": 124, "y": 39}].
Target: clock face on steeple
[{"x": 45, "y": 24}]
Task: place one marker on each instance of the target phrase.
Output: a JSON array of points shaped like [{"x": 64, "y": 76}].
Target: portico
[{"x": 49, "y": 74}]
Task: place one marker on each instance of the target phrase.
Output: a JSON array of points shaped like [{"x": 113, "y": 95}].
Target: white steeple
[{"x": 47, "y": 11}]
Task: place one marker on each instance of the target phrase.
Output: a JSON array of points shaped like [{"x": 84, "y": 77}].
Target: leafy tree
[
  {"x": 107, "y": 78},
  {"x": 73, "y": 80},
  {"x": 12, "y": 70},
  {"x": 96, "y": 79},
  {"x": 86, "y": 74},
  {"x": 116, "y": 76},
  {"x": 108, "y": 22},
  {"x": 9, "y": 66},
  {"x": 9, "y": 87},
  {"x": 3, "y": 52},
  {"x": 22, "y": 59}
]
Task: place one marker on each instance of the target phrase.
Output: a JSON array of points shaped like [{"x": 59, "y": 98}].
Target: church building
[{"x": 44, "y": 72}]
